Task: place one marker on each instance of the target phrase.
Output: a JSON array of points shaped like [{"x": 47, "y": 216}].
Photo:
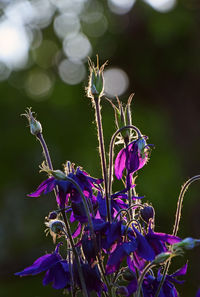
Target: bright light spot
[
  {"x": 75, "y": 6},
  {"x": 77, "y": 47},
  {"x": 4, "y": 72},
  {"x": 121, "y": 6},
  {"x": 43, "y": 11},
  {"x": 66, "y": 24},
  {"x": 14, "y": 44},
  {"x": 116, "y": 82},
  {"x": 161, "y": 5},
  {"x": 38, "y": 84},
  {"x": 72, "y": 73},
  {"x": 20, "y": 12}
]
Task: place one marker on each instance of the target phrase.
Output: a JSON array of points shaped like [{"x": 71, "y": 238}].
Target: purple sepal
[
  {"x": 144, "y": 250},
  {"x": 45, "y": 187},
  {"x": 58, "y": 274}
]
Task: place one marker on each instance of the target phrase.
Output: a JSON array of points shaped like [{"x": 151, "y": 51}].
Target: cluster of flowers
[{"x": 111, "y": 246}]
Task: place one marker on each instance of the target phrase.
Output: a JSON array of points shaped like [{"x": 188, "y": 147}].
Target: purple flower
[
  {"x": 57, "y": 270},
  {"x": 116, "y": 257},
  {"x": 158, "y": 240},
  {"x": 116, "y": 204},
  {"x": 151, "y": 284},
  {"x": 106, "y": 233},
  {"x": 133, "y": 157},
  {"x": 67, "y": 190}
]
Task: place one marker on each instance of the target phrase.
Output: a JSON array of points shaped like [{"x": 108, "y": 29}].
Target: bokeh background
[{"x": 153, "y": 48}]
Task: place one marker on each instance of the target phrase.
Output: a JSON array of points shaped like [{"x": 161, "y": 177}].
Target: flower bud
[
  {"x": 186, "y": 244},
  {"x": 147, "y": 213},
  {"x": 162, "y": 257},
  {"x": 56, "y": 226},
  {"x": 96, "y": 80},
  {"x": 122, "y": 291},
  {"x": 35, "y": 126}
]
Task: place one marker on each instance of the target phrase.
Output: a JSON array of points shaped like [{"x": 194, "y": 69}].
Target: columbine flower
[
  {"x": 158, "y": 240},
  {"x": 57, "y": 269},
  {"x": 132, "y": 158},
  {"x": 66, "y": 189},
  {"x": 151, "y": 284}
]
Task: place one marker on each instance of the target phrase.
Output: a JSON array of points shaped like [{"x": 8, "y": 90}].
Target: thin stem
[
  {"x": 180, "y": 202},
  {"x": 75, "y": 254},
  {"x": 90, "y": 225},
  {"x": 141, "y": 278},
  {"x": 48, "y": 160},
  {"x": 176, "y": 224},
  {"x": 166, "y": 267},
  {"x": 111, "y": 150},
  {"x": 102, "y": 154},
  {"x": 45, "y": 150}
]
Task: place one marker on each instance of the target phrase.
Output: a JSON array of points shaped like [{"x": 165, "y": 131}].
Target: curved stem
[
  {"x": 111, "y": 149},
  {"x": 180, "y": 202},
  {"x": 102, "y": 154},
  {"x": 176, "y": 224},
  {"x": 141, "y": 278},
  {"x": 120, "y": 211}
]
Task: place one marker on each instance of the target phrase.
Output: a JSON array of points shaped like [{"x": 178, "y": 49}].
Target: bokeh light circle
[
  {"x": 162, "y": 5},
  {"x": 116, "y": 81},
  {"x": 71, "y": 72},
  {"x": 77, "y": 47},
  {"x": 120, "y": 6},
  {"x": 66, "y": 24}
]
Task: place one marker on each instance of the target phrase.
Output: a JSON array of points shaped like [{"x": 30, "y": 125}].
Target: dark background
[{"x": 160, "y": 53}]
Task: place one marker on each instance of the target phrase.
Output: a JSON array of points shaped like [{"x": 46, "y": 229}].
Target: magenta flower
[
  {"x": 132, "y": 158},
  {"x": 151, "y": 284},
  {"x": 57, "y": 270}
]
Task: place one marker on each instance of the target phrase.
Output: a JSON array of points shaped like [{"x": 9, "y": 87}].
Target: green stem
[
  {"x": 75, "y": 254},
  {"x": 102, "y": 154},
  {"x": 176, "y": 224},
  {"x": 180, "y": 202},
  {"x": 141, "y": 278},
  {"x": 48, "y": 160},
  {"x": 45, "y": 150}
]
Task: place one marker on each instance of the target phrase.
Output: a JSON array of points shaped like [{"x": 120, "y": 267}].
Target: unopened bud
[
  {"x": 96, "y": 80},
  {"x": 56, "y": 226},
  {"x": 186, "y": 244},
  {"x": 147, "y": 213},
  {"x": 35, "y": 126}
]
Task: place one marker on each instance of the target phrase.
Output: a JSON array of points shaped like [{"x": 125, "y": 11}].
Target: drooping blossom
[
  {"x": 68, "y": 190},
  {"x": 57, "y": 270},
  {"x": 132, "y": 158},
  {"x": 151, "y": 284}
]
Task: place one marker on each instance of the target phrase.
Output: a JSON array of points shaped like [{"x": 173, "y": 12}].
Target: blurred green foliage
[{"x": 160, "y": 54}]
